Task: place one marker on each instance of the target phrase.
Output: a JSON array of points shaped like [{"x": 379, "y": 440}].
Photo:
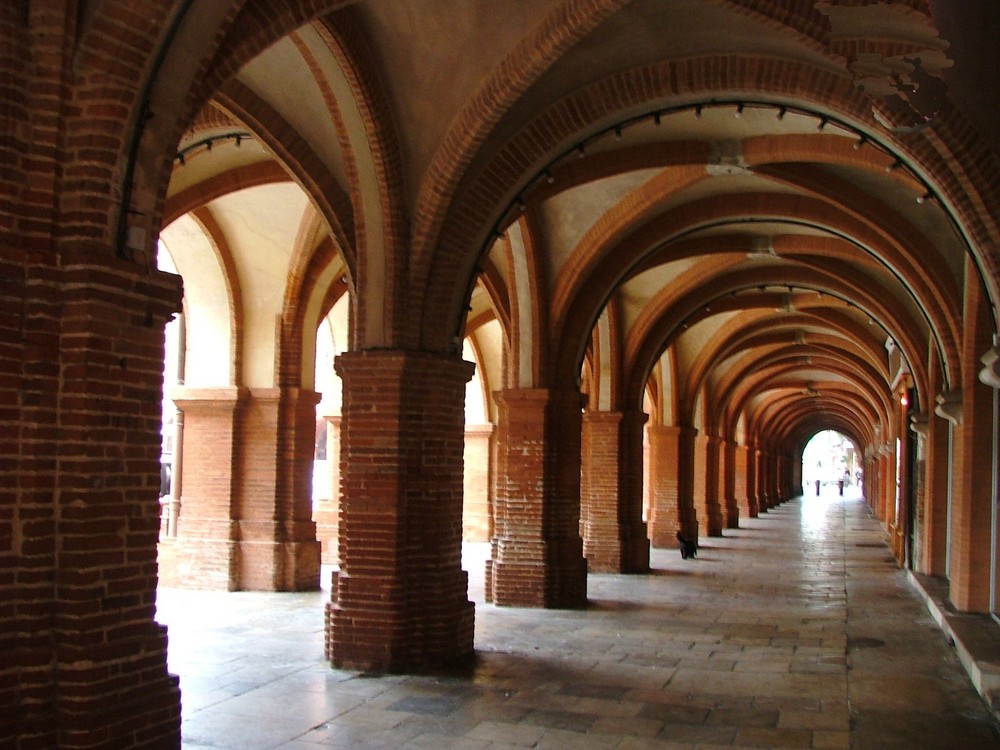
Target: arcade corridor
[
  {"x": 785, "y": 633},
  {"x": 289, "y": 286}
]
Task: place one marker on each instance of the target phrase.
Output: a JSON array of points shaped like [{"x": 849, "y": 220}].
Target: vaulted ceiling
[{"x": 726, "y": 209}]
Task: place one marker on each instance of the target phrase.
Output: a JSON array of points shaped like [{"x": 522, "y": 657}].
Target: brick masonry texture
[{"x": 94, "y": 100}]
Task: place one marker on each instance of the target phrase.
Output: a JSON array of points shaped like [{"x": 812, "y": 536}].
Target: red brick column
[
  {"x": 202, "y": 554},
  {"x": 401, "y": 599},
  {"x": 706, "y": 484},
  {"x": 292, "y": 538},
  {"x": 873, "y": 481},
  {"x": 87, "y": 659},
  {"x": 245, "y": 520},
  {"x": 887, "y": 487},
  {"x": 671, "y": 507},
  {"x": 742, "y": 482},
  {"x": 933, "y": 462},
  {"x": 614, "y": 539},
  {"x": 634, "y": 531},
  {"x": 753, "y": 482},
  {"x": 935, "y": 496},
  {"x": 756, "y": 479},
  {"x": 765, "y": 496},
  {"x": 537, "y": 551},
  {"x": 727, "y": 485},
  {"x": 972, "y": 492},
  {"x": 781, "y": 492}
]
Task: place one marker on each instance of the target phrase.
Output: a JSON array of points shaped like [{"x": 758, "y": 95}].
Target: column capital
[
  {"x": 592, "y": 416},
  {"x": 185, "y": 397},
  {"x": 990, "y": 374},
  {"x": 949, "y": 405},
  {"x": 920, "y": 423},
  {"x": 366, "y": 360},
  {"x": 541, "y": 396}
]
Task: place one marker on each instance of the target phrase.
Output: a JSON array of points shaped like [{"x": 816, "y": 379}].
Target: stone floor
[{"x": 794, "y": 631}]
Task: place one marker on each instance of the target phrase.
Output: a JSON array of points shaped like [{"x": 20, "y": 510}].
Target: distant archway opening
[{"x": 830, "y": 463}]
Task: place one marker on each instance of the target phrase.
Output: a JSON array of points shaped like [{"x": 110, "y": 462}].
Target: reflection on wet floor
[{"x": 794, "y": 631}]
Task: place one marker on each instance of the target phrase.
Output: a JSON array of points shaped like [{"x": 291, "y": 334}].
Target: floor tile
[{"x": 795, "y": 630}]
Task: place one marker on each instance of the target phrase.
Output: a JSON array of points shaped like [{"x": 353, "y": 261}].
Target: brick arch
[
  {"x": 359, "y": 64},
  {"x": 482, "y": 203},
  {"x": 788, "y": 414},
  {"x": 317, "y": 273},
  {"x": 783, "y": 330},
  {"x": 161, "y": 42},
  {"x": 832, "y": 328},
  {"x": 809, "y": 26},
  {"x": 808, "y": 426},
  {"x": 233, "y": 292},
  {"x": 744, "y": 332},
  {"x": 899, "y": 247},
  {"x": 255, "y": 27},
  {"x": 785, "y": 424},
  {"x": 298, "y": 158},
  {"x": 789, "y": 426},
  {"x": 566, "y": 26},
  {"x": 867, "y": 381},
  {"x": 661, "y": 321},
  {"x": 241, "y": 178},
  {"x": 754, "y": 373},
  {"x": 757, "y": 151},
  {"x": 625, "y": 219},
  {"x": 211, "y": 117},
  {"x": 496, "y": 289},
  {"x": 153, "y": 42},
  {"x": 868, "y": 397}
]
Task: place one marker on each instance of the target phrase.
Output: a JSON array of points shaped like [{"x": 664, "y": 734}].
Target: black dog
[{"x": 688, "y": 547}]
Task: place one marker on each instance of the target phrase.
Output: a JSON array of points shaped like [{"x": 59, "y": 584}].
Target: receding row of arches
[{"x": 624, "y": 265}]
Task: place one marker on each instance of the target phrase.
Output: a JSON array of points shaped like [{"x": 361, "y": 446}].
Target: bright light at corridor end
[{"x": 904, "y": 400}]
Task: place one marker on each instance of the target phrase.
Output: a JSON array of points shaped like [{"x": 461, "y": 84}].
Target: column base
[
  {"x": 539, "y": 574},
  {"x": 200, "y": 564},
  {"x": 396, "y": 642},
  {"x": 626, "y": 552}
]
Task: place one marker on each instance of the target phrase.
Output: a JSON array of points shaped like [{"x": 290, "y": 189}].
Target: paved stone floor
[{"x": 794, "y": 631}]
